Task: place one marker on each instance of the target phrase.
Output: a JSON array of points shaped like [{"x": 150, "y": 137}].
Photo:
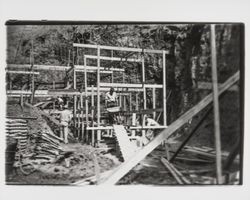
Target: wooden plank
[
  {"x": 130, "y": 127},
  {"x": 114, "y": 58},
  {"x": 95, "y": 68},
  {"x": 20, "y": 118},
  {"x": 118, "y": 90},
  {"x": 78, "y": 68},
  {"x": 216, "y": 106},
  {"x": 117, "y": 48},
  {"x": 141, "y": 154},
  {"x": 131, "y": 85},
  {"x": 167, "y": 165},
  {"x": 55, "y": 92},
  {"x": 22, "y": 72},
  {"x": 126, "y": 147}
]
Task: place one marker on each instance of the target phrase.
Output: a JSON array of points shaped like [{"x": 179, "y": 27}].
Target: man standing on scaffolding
[{"x": 111, "y": 101}]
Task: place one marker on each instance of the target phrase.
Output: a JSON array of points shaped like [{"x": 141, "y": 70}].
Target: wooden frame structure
[
  {"x": 142, "y": 87},
  {"x": 125, "y": 167}
]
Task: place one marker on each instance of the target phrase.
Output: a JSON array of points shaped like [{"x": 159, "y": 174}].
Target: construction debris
[{"x": 47, "y": 146}]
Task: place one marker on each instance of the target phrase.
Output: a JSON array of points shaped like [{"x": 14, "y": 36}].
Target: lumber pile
[
  {"x": 47, "y": 146},
  {"x": 205, "y": 153},
  {"x": 179, "y": 177},
  {"x": 18, "y": 129}
]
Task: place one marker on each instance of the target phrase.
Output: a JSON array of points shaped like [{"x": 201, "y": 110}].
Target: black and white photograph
[{"x": 124, "y": 103}]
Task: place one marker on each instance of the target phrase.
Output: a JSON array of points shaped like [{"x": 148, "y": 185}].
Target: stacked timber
[
  {"x": 47, "y": 146},
  {"x": 205, "y": 153},
  {"x": 18, "y": 129}
]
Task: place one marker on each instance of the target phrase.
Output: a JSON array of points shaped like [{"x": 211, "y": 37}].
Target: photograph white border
[{"x": 126, "y": 10}]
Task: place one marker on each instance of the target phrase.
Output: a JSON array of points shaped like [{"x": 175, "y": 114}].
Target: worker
[
  {"x": 150, "y": 122},
  {"x": 111, "y": 98},
  {"x": 60, "y": 102},
  {"x": 65, "y": 118},
  {"x": 111, "y": 101}
]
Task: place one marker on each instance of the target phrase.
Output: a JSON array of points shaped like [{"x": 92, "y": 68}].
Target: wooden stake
[{"x": 216, "y": 106}]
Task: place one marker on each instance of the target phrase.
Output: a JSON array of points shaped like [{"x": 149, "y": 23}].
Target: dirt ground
[
  {"x": 81, "y": 165},
  {"x": 150, "y": 171},
  {"x": 80, "y": 160}
]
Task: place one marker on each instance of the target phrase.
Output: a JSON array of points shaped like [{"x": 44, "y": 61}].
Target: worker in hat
[
  {"x": 111, "y": 101},
  {"x": 65, "y": 118},
  {"x": 111, "y": 98}
]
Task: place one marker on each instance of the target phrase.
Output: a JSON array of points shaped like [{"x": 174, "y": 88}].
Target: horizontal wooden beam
[
  {"x": 95, "y": 68},
  {"x": 117, "y": 90},
  {"x": 20, "y": 118},
  {"x": 130, "y": 127},
  {"x": 21, "y": 72},
  {"x": 131, "y": 85},
  {"x": 114, "y": 58},
  {"x": 125, "y": 167},
  {"x": 139, "y": 50},
  {"x": 79, "y": 68},
  {"x": 54, "y": 92}
]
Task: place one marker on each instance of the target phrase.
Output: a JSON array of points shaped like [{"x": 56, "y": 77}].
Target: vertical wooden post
[
  {"x": 74, "y": 87},
  {"x": 216, "y": 106},
  {"x": 54, "y": 103},
  {"x": 69, "y": 58},
  {"x": 97, "y": 168},
  {"x": 120, "y": 100},
  {"x": 79, "y": 117},
  {"x": 136, "y": 102},
  {"x": 21, "y": 99},
  {"x": 33, "y": 76},
  {"x": 144, "y": 95},
  {"x": 164, "y": 88},
  {"x": 143, "y": 84},
  {"x": 32, "y": 87},
  {"x": 93, "y": 115},
  {"x": 124, "y": 102},
  {"x": 10, "y": 85},
  {"x": 130, "y": 102},
  {"x": 112, "y": 75},
  {"x": 153, "y": 98},
  {"x": 98, "y": 96},
  {"x": 82, "y": 117},
  {"x": 133, "y": 123},
  {"x": 86, "y": 96}
]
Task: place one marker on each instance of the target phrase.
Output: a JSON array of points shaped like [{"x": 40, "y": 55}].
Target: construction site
[{"x": 124, "y": 104}]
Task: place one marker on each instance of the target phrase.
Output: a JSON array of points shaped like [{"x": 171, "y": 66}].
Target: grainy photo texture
[{"x": 124, "y": 104}]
